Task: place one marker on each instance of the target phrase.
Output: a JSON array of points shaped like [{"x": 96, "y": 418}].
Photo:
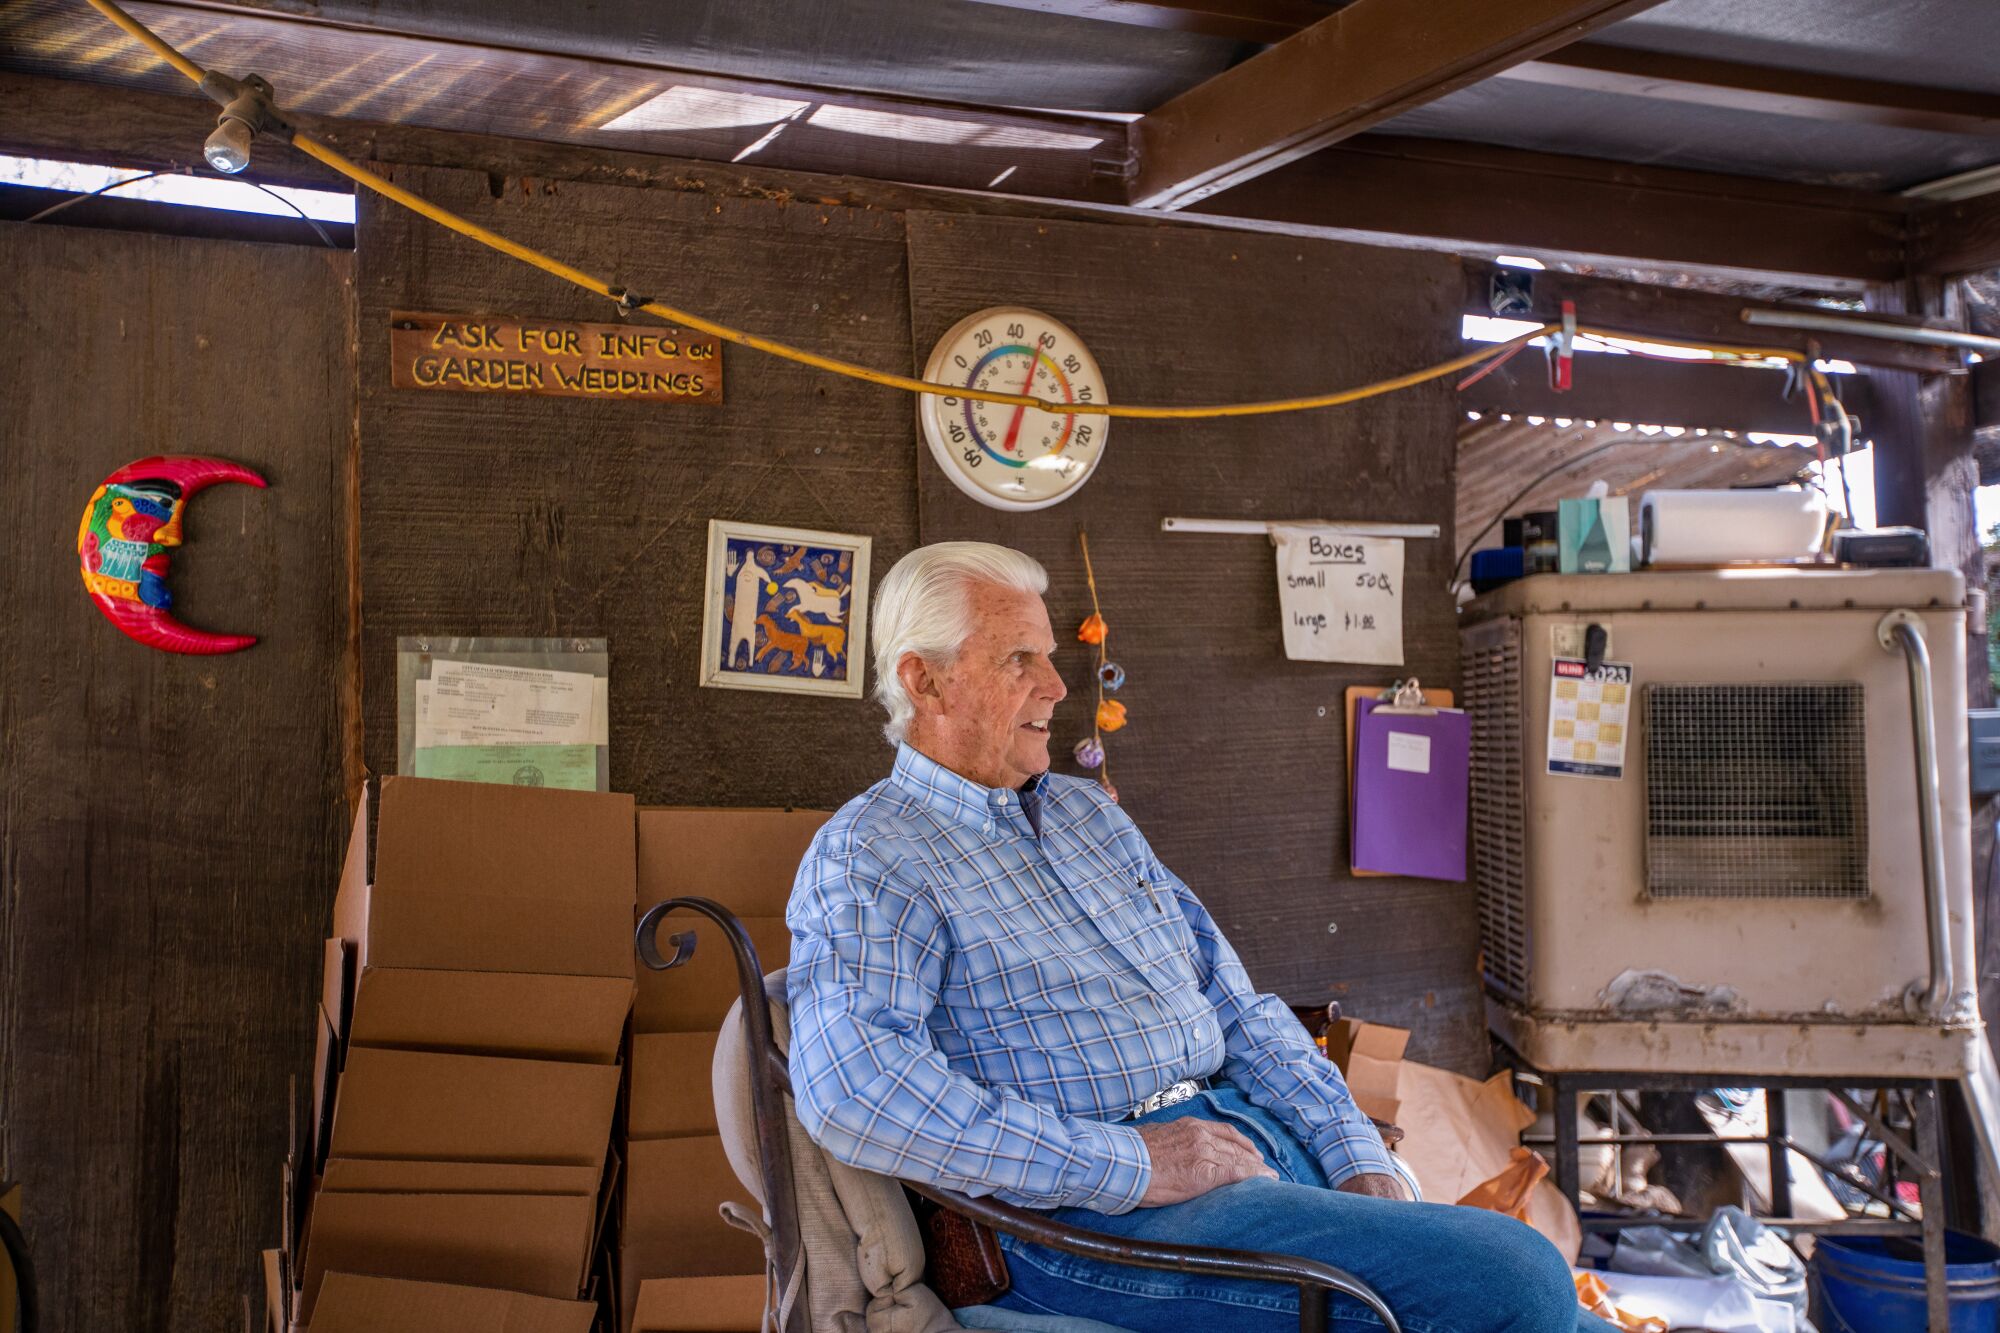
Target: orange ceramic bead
[
  {"x": 1110, "y": 715},
  {"x": 1093, "y": 630}
]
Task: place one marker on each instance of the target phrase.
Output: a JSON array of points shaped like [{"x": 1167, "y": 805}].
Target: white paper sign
[
  {"x": 1341, "y": 596},
  {"x": 1409, "y": 752},
  {"x": 469, "y": 703}
]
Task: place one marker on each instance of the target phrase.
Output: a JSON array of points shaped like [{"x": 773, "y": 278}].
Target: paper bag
[
  {"x": 1510, "y": 1191},
  {"x": 1459, "y": 1134}
]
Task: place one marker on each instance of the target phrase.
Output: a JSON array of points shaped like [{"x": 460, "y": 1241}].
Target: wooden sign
[{"x": 496, "y": 354}]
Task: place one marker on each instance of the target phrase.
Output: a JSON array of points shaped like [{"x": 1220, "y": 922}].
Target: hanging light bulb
[{"x": 246, "y": 111}]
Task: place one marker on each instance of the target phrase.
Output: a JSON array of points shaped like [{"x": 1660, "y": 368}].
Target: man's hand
[
  {"x": 1192, "y": 1157},
  {"x": 1375, "y": 1187}
]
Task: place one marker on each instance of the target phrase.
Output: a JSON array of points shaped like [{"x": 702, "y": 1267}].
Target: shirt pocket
[{"x": 1141, "y": 921}]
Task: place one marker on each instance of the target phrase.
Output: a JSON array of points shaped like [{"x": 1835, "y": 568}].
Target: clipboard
[
  {"x": 1355, "y": 694},
  {"x": 1412, "y": 787}
]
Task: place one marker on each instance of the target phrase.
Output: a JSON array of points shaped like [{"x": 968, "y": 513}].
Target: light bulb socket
[{"x": 247, "y": 111}]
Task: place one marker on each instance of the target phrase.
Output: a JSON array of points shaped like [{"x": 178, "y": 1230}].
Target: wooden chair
[{"x": 770, "y": 1086}]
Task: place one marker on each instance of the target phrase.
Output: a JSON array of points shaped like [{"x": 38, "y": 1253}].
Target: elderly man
[{"x": 997, "y": 987}]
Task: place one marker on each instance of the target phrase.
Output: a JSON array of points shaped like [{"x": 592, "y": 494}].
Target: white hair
[{"x": 924, "y": 607}]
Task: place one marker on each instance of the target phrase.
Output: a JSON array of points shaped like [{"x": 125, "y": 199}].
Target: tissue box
[{"x": 1595, "y": 535}]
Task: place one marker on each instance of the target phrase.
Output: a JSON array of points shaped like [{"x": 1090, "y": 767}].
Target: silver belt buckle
[{"x": 1171, "y": 1095}]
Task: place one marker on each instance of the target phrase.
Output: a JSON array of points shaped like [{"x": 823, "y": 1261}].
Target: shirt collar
[{"x": 955, "y": 797}]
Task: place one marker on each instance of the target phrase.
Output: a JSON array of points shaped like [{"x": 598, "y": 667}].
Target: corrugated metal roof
[{"x": 1498, "y": 456}]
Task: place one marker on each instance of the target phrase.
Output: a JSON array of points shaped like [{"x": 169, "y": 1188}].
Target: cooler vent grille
[
  {"x": 1756, "y": 791},
  {"x": 1491, "y": 659}
]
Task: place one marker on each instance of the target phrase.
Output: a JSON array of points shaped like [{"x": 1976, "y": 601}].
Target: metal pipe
[
  {"x": 1254, "y": 527},
  {"x": 1905, "y": 631},
  {"x": 1873, "y": 328}
]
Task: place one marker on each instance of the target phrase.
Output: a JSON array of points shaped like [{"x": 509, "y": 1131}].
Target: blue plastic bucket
[{"x": 1875, "y": 1284}]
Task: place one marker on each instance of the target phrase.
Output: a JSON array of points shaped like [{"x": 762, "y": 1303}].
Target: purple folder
[{"x": 1411, "y": 775}]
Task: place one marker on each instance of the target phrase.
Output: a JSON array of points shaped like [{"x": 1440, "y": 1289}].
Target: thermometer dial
[{"x": 1014, "y": 457}]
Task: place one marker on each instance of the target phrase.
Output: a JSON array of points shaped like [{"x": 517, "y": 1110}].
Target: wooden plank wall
[
  {"x": 504, "y": 515},
  {"x": 496, "y": 515},
  {"x": 1234, "y": 761},
  {"x": 160, "y": 911}
]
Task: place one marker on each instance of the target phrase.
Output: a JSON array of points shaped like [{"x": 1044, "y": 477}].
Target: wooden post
[{"x": 1925, "y": 472}]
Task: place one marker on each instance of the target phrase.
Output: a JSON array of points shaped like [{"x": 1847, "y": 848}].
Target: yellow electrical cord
[{"x": 909, "y": 384}]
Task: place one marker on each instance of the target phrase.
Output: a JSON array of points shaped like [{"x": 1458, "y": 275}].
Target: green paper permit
[{"x": 573, "y": 767}]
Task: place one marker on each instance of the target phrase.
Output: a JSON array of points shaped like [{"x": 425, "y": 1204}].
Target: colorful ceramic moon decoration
[{"x": 128, "y": 526}]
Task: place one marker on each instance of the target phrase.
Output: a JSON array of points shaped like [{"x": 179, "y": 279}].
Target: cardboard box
[
  {"x": 538, "y": 1244},
  {"x": 365, "y": 1176},
  {"x": 671, "y": 1227},
  {"x": 1370, "y": 1057},
  {"x": 491, "y": 1013},
  {"x": 695, "y": 997},
  {"x": 429, "y": 1106},
  {"x": 744, "y": 859},
  {"x": 351, "y": 1303},
  {"x": 478, "y": 877},
  {"x": 671, "y": 1090},
  {"x": 700, "y": 1305},
  {"x": 485, "y": 919}
]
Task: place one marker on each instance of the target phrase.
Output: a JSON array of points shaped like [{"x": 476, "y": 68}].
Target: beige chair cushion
[{"x": 863, "y": 1253}]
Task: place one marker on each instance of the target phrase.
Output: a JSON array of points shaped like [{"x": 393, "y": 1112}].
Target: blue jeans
[{"x": 1440, "y": 1268}]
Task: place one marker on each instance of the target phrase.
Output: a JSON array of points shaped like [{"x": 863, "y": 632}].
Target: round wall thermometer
[{"x": 1014, "y": 457}]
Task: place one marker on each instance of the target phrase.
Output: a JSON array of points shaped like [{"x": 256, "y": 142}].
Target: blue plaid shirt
[{"x": 983, "y": 981}]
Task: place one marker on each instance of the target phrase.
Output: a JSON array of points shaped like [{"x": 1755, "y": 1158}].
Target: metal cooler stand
[{"x": 1922, "y": 1160}]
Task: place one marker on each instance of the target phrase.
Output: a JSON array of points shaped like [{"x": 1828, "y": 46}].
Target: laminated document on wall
[
  {"x": 1412, "y": 774},
  {"x": 1589, "y": 718},
  {"x": 526, "y": 712}
]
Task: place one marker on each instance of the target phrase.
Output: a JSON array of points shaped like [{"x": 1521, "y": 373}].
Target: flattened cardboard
[
  {"x": 700, "y": 1305},
  {"x": 337, "y": 983},
  {"x": 430, "y": 1106},
  {"x": 672, "y": 1229},
  {"x": 373, "y": 1176},
  {"x": 351, "y": 1303},
  {"x": 671, "y": 1093},
  {"x": 274, "y": 1295},
  {"x": 695, "y": 997},
  {"x": 491, "y": 1013},
  {"x": 326, "y": 1078},
  {"x": 483, "y": 877},
  {"x": 531, "y": 1243},
  {"x": 744, "y": 859},
  {"x": 10, "y": 1204}
]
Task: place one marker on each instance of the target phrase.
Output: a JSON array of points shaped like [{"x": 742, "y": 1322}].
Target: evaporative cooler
[{"x": 1778, "y": 878}]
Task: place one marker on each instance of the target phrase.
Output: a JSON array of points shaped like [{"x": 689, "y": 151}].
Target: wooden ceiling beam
[
  {"x": 1958, "y": 238},
  {"x": 1360, "y": 66},
  {"x": 1264, "y": 22},
  {"x": 1680, "y": 315},
  {"x": 1473, "y": 198},
  {"x": 1761, "y": 90}
]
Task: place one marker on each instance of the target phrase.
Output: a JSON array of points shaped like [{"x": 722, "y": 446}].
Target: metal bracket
[{"x": 1885, "y": 629}]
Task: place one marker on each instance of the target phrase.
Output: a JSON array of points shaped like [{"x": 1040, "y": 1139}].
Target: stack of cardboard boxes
[
  {"x": 681, "y": 1268},
  {"x": 452, "y": 1171}
]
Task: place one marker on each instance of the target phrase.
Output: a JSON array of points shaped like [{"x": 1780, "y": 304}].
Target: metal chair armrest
[{"x": 1313, "y": 1279}]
